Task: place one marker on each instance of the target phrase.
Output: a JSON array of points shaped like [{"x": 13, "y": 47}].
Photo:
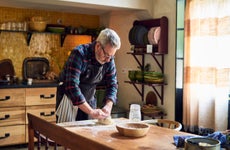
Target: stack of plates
[
  {"x": 154, "y": 35},
  {"x": 138, "y": 35}
]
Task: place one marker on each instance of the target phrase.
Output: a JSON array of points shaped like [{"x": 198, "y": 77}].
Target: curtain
[{"x": 206, "y": 65}]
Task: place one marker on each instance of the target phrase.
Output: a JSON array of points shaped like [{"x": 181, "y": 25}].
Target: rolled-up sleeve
[
  {"x": 72, "y": 77},
  {"x": 111, "y": 82}
]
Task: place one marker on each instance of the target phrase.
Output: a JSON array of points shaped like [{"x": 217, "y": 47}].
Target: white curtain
[{"x": 206, "y": 65}]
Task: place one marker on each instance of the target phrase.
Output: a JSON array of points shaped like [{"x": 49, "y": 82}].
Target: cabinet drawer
[
  {"x": 46, "y": 112},
  {"x": 12, "y": 97},
  {"x": 12, "y": 116},
  {"x": 40, "y": 96},
  {"x": 10, "y": 135}
]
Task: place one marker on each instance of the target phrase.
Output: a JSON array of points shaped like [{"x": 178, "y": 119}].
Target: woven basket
[{"x": 38, "y": 25}]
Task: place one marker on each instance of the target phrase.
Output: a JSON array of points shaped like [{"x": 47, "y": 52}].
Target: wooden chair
[
  {"x": 44, "y": 140},
  {"x": 169, "y": 124},
  {"x": 58, "y": 135}
]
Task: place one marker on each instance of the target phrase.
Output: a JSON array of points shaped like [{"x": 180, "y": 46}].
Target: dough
[{"x": 106, "y": 121}]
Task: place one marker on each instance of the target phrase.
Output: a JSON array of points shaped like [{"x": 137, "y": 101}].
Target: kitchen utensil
[
  {"x": 201, "y": 143},
  {"x": 133, "y": 129}
]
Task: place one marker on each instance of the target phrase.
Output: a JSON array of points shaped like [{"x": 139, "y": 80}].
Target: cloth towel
[
  {"x": 179, "y": 139},
  {"x": 66, "y": 111}
]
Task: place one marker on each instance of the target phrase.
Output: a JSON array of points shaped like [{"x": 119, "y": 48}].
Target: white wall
[
  {"x": 122, "y": 22},
  {"x": 168, "y": 8}
]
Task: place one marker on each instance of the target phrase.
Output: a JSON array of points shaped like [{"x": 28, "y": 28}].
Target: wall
[
  {"x": 122, "y": 23},
  {"x": 13, "y": 45},
  {"x": 168, "y": 8}
]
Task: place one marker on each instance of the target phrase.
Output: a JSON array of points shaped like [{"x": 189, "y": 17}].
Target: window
[{"x": 179, "y": 59}]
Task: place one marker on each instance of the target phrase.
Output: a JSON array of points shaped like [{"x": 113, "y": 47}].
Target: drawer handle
[
  {"x": 6, "y": 98},
  {"x": 6, "y": 117},
  {"x": 47, "y": 97},
  {"x": 43, "y": 114},
  {"x": 6, "y": 135}
]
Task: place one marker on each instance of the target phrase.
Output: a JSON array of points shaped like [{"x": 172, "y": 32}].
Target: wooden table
[
  {"x": 90, "y": 135},
  {"x": 157, "y": 137}
]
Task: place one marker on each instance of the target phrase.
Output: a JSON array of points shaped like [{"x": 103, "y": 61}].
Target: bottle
[{"x": 135, "y": 113}]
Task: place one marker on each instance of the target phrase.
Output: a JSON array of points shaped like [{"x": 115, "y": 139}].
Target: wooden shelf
[
  {"x": 160, "y": 93},
  {"x": 30, "y": 33},
  {"x": 154, "y": 55},
  {"x": 158, "y": 50}
]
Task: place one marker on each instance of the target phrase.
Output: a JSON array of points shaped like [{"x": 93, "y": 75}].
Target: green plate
[{"x": 56, "y": 29}]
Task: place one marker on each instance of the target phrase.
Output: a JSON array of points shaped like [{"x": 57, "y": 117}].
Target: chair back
[{"x": 58, "y": 135}]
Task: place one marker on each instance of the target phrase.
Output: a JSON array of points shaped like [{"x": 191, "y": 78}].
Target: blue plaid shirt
[{"x": 76, "y": 64}]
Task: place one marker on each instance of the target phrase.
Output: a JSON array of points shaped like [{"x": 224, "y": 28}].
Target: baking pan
[{"x": 35, "y": 67}]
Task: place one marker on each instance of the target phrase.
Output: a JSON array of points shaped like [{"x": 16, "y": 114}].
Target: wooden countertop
[{"x": 157, "y": 138}]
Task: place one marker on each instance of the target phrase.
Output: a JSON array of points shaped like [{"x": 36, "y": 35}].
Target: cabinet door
[
  {"x": 10, "y": 135},
  {"x": 40, "y": 96},
  {"x": 46, "y": 112},
  {"x": 12, "y": 97},
  {"x": 12, "y": 116}
]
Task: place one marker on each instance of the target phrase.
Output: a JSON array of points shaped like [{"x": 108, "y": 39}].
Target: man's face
[{"x": 104, "y": 54}]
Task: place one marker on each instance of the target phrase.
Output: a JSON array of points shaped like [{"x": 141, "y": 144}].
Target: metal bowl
[{"x": 201, "y": 143}]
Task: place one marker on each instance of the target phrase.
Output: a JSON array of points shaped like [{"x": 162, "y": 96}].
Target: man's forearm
[{"x": 85, "y": 107}]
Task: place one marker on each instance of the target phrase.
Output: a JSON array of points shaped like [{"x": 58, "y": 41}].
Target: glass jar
[{"x": 135, "y": 113}]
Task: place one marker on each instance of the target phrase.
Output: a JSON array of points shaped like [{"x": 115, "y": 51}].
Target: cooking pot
[{"x": 201, "y": 143}]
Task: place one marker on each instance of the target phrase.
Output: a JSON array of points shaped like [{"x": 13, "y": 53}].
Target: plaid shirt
[{"x": 76, "y": 64}]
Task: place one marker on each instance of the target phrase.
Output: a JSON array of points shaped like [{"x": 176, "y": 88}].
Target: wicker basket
[
  {"x": 38, "y": 25},
  {"x": 150, "y": 109}
]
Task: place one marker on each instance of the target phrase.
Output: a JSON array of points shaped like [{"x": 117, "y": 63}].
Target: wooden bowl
[
  {"x": 37, "y": 25},
  {"x": 133, "y": 129}
]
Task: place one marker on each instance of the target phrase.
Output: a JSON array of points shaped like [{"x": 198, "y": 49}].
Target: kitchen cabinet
[
  {"x": 15, "y": 103},
  {"x": 158, "y": 50}
]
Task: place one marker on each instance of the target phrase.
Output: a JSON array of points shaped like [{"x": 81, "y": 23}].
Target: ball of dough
[{"x": 106, "y": 121}]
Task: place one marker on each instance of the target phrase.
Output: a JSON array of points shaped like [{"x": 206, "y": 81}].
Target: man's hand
[
  {"x": 108, "y": 107},
  {"x": 98, "y": 114},
  {"x": 94, "y": 113}
]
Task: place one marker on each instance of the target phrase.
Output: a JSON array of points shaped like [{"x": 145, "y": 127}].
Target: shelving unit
[
  {"x": 159, "y": 51},
  {"x": 160, "y": 93},
  {"x": 30, "y": 33}
]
